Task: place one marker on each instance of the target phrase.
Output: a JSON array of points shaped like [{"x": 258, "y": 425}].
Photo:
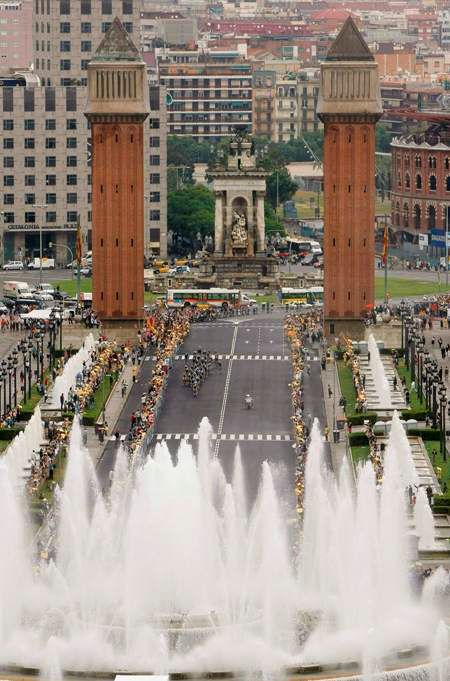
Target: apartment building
[
  {"x": 15, "y": 33},
  {"x": 45, "y": 171},
  {"x": 209, "y": 93},
  {"x": 67, "y": 32}
]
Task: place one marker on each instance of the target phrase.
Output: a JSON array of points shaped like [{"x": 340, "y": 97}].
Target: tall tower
[
  {"x": 117, "y": 108},
  {"x": 349, "y": 106}
]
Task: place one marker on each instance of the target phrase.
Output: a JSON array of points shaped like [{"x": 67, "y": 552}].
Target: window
[
  {"x": 29, "y": 162},
  {"x": 8, "y": 161},
  {"x": 154, "y": 234},
  {"x": 417, "y": 216},
  {"x": 50, "y": 216},
  {"x": 433, "y": 183},
  {"x": 50, "y": 161},
  {"x": 71, "y": 180},
  {"x": 128, "y": 26},
  {"x": 154, "y": 123},
  {"x": 72, "y": 198},
  {"x": 30, "y": 199},
  {"x": 71, "y": 161},
  {"x": 432, "y": 161},
  {"x": 30, "y": 216},
  {"x": 106, "y": 6},
  {"x": 127, "y": 6},
  {"x": 65, "y": 65},
  {"x": 64, "y": 27},
  {"x": 8, "y": 143},
  {"x": 50, "y": 104},
  {"x": 50, "y": 198},
  {"x": 29, "y": 124},
  {"x": 155, "y": 215},
  {"x": 72, "y": 216},
  {"x": 50, "y": 142},
  {"x": 86, "y": 46},
  {"x": 85, "y": 6},
  {"x": 30, "y": 180},
  {"x": 431, "y": 217},
  {"x": 447, "y": 163},
  {"x": 71, "y": 124},
  {"x": 8, "y": 217},
  {"x": 155, "y": 197},
  {"x": 28, "y": 99},
  {"x": 8, "y": 199},
  {"x": 154, "y": 142},
  {"x": 155, "y": 178},
  {"x": 8, "y": 99},
  {"x": 50, "y": 124},
  {"x": 85, "y": 27},
  {"x": 405, "y": 215},
  {"x": 84, "y": 64},
  {"x": 105, "y": 26},
  {"x": 29, "y": 142},
  {"x": 50, "y": 180},
  {"x": 154, "y": 160},
  {"x": 418, "y": 162},
  {"x": 407, "y": 181},
  {"x": 64, "y": 46},
  {"x": 64, "y": 6},
  {"x": 71, "y": 142},
  {"x": 418, "y": 181},
  {"x": 8, "y": 124}
]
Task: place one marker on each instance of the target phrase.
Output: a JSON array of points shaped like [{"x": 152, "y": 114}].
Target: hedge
[
  {"x": 417, "y": 414},
  {"x": 9, "y": 433},
  {"x": 358, "y": 440},
  {"x": 358, "y": 419},
  {"x": 425, "y": 433},
  {"x": 441, "y": 504}
]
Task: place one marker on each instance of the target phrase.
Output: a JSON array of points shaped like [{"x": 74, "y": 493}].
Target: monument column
[
  {"x": 218, "y": 223},
  {"x": 260, "y": 222},
  {"x": 118, "y": 101},
  {"x": 250, "y": 231},
  {"x": 349, "y": 106}
]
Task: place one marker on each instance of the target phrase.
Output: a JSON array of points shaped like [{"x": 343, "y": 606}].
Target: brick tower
[
  {"x": 117, "y": 108},
  {"x": 349, "y": 106}
]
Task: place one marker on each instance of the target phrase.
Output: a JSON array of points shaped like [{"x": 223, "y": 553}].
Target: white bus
[
  {"x": 302, "y": 296},
  {"x": 211, "y": 297}
]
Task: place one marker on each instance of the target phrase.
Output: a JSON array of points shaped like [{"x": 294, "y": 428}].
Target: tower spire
[
  {"x": 117, "y": 45},
  {"x": 349, "y": 45}
]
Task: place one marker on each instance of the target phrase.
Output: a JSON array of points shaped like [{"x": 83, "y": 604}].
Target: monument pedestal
[{"x": 239, "y": 271}]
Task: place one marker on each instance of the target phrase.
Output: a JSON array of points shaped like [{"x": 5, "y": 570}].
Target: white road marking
[
  {"x": 225, "y": 392},
  {"x": 228, "y": 437}
]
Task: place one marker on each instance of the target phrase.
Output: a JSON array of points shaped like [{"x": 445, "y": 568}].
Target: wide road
[{"x": 256, "y": 360}]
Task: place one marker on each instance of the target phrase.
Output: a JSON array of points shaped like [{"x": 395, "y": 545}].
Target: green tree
[
  {"x": 382, "y": 139},
  {"x": 191, "y": 210},
  {"x": 273, "y": 223},
  {"x": 280, "y": 186}
]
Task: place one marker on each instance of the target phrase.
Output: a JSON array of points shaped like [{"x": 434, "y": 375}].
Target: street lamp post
[
  {"x": 4, "y": 374},
  {"x": 30, "y": 366},
  {"x": 41, "y": 206},
  {"x": 15, "y": 364},
  {"x": 23, "y": 349}
]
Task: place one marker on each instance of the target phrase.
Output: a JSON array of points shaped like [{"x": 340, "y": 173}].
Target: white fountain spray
[{"x": 379, "y": 375}]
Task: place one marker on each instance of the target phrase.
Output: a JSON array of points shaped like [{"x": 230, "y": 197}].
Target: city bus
[
  {"x": 212, "y": 297},
  {"x": 302, "y": 296}
]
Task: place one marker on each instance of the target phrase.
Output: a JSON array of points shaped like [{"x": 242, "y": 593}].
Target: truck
[
  {"x": 47, "y": 264},
  {"x": 16, "y": 289}
]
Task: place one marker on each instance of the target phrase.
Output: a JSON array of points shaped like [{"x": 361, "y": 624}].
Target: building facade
[
  {"x": 349, "y": 106},
  {"x": 16, "y": 22},
  {"x": 47, "y": 153},
  {"x": 207, "y": 100},
  {"x": 66, "y": 33},
  {"x": 117, "y": 108},
  {"x": 46, "y": 162},
  {"x": 420, "y": 182}
]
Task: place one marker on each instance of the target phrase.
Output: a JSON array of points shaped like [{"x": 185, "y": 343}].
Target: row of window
[
  {"x": 432, "y": 161},
  {"x": 50, "y": 181},
  {"x": 30, "y": 124},
  {"x": 85, "y": 6},
  {"x": 30, "y": 199},
  {"x": 416, "y": 217},
  {"x": 30, "y": 162},
  {"x": 9, "y": 180},
  {"x": 432, "y": 182},
  {"x": 71, "y": 216},
  {"x": 70, "y": 96},
  {"x": 29, "y": 142}
]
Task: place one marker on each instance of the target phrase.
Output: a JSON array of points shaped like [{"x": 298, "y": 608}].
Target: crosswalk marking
[
  {"x": 278, "y": 358},
  {"x": 229, "y": 437}
]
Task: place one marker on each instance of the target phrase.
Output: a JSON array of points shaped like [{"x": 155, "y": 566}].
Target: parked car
[
  {"x": 13, "y": 265},
  {"x": 60, "y": 295},
  {"x": 309, "y": 260},
  {"x": 45, "y": 288}
]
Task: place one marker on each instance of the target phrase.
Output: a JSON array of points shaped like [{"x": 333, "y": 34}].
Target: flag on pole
[
  {"x": 384, "y": 255},
  {"x": 79, "y": 245}
]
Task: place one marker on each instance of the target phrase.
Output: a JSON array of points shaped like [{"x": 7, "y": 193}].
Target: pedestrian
[
  {"x": 446, "y": 373},
  {"x": 407, "y": 397},
  {"x": 326, "y": 432},
  {"x": 429, "y": 492},
  {"x": 349, "y": 427},
  {"x": 395, "y": 382},
  {"x": 61, "y": 401},
  {"x": 134, "y": 373},
  {"x": 433, "y": 456},
  {"x": 330, "y": 392}
]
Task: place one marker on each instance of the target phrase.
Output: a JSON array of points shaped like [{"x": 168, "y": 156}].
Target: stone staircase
[
  {"x": 422, "y": 463},
  {"x": 397, "y": 396}
]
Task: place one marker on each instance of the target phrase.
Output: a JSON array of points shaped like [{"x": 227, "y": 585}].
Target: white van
[{"x": 16, "y": 289}]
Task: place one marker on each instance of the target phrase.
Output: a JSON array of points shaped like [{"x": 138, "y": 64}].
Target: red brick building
[
  {"x": 420, "y": 181},
  {"x": 117, "y": 108},
  {"x": 349, "y": 106}
]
